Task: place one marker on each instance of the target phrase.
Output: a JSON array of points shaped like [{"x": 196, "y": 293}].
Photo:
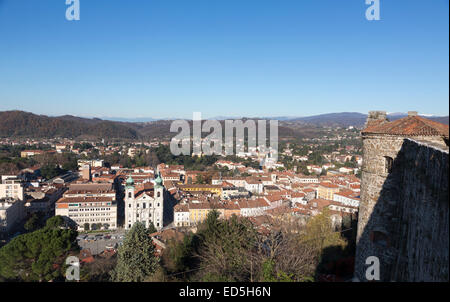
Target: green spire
[
  {"x": 130, "y": 181},
  {"x": 158, "y": 181}
]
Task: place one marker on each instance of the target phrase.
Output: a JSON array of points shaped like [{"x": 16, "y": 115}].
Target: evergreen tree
[
  {"x": 40, "y": 255},
  {"x": 136, "y": 257}
]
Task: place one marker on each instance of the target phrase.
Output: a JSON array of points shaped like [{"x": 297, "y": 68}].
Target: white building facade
[
  {"x": 11, "y": 212},
  {"x": 145, "y": 206}
]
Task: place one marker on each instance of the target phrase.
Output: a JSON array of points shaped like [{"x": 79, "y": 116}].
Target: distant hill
[
  {"x": 345, "y": 119},
  {"x": 25, "y": 124}
]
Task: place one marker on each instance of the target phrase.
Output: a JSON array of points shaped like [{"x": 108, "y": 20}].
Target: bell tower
[
  {"x": 129, "y": 200},
  {"x": 159, "y": 202}
]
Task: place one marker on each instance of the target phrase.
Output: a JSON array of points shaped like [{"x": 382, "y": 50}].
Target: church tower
[
  {"x": 159, "y": 203},
  {"x": 129, "y": 200}
]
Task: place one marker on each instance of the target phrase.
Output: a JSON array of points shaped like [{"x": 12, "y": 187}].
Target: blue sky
[{"x": 169, "y": 58}]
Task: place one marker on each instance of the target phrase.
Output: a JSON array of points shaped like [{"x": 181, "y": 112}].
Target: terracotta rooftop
[
  {"x": 85, "y": 199},
  {"x": 411, "y": 125},
  {"x": 328, "y": 185}
]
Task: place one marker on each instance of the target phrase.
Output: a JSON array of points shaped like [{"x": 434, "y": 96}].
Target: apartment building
[
  {"x": 181, "y": 215},
  {"x": 12, "y": 211},
  {"x": 90, "y": 203},
  {"x": 326, "y": 190},
  {"x": 198, "y": 212},
  {"x": 11, "y": 188}
]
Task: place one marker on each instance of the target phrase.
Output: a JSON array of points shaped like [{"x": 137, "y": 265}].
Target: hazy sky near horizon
[{"x": 169, "y": 58}]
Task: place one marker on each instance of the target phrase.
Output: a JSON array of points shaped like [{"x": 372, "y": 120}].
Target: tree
[
  {"x": 281, "y": 257},
  {"x": 55, "y": 221},
  {"x": 320, "y": 232},
  {"x": 39, "y": 255},
  {"x": 136, "y": 257},
  {"x": 99, "y": 270},
  {"x": 50, "y": 171},
  {"x": 151, "y": 228},
  {"x": 269, "y": 274},
  {"x": 86, "y": 226},
  {"x": 178, "y": 258},
  {"x": 225, "y": 248},
  {"x": 326, "y": 244},
  {"x": 34, "y": 222}
]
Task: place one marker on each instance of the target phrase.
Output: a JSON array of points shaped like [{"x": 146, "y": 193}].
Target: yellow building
[
  {"x": 326, "y": 190},
  {"x": 198, "y": 212},
  {"x": 215, "y": 189}
]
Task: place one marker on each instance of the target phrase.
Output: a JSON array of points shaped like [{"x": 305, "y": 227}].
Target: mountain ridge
[{"x": 18, "y": 123}]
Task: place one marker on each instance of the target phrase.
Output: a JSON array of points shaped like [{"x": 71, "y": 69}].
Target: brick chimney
[{"x": 376, "y": 116}]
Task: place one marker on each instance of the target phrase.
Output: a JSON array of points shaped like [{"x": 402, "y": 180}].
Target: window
[
  {"x": 159, "y": 194},
  {"x": 143, "y": 205},
  {"x": 129, "y": 194},
  {"x": 388, "y": 162}
]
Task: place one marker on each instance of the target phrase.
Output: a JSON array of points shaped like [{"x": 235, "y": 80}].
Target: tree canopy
[
  {"x": 136, "y": 260},
  {"x": 39, "y": 255}
]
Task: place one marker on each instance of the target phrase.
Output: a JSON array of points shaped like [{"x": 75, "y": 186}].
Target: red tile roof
[
  {"x": 328, "y": 185},
  {"x": 410, "y": 125}
]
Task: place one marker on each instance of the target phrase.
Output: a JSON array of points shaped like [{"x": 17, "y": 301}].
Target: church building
[{"x": 144, "y": 203}]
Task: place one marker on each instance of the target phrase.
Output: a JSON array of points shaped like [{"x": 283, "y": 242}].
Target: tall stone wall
[{"x": 403, "y": 216}]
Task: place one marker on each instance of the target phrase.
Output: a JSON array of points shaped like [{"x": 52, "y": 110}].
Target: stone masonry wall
[{"x": 403, "y": 215}]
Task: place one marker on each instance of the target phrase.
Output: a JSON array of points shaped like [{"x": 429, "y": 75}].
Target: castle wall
[{"x": 403, "y": 215}]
